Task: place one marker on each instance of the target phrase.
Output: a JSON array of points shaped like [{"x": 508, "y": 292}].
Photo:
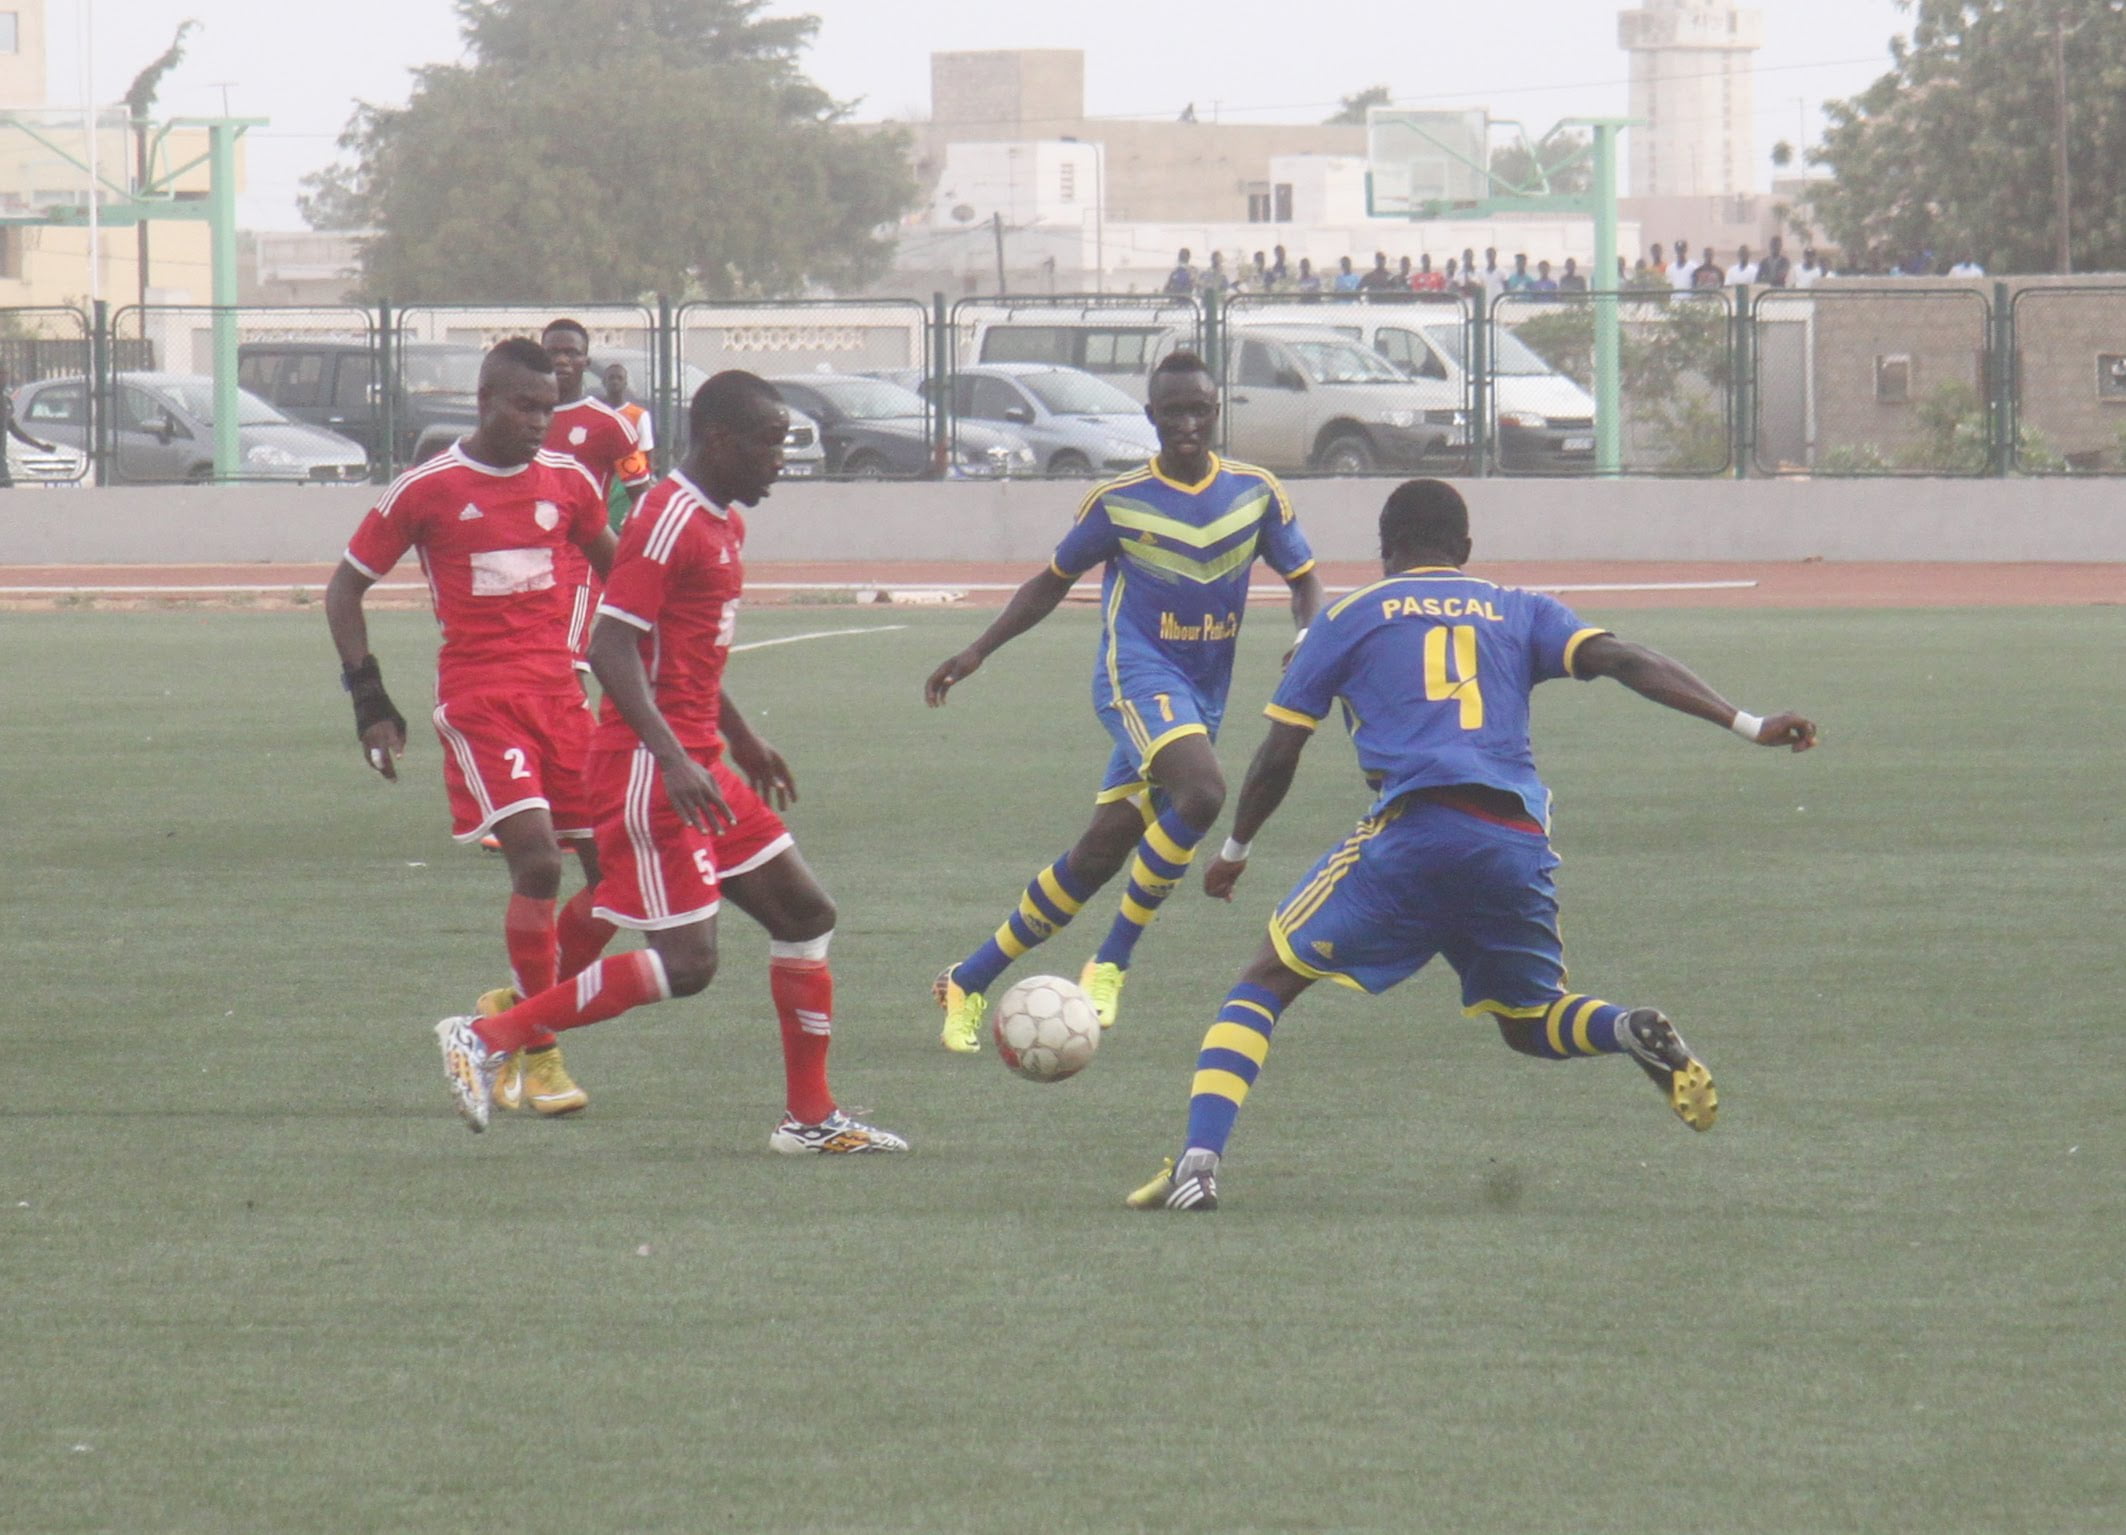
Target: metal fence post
[
  {"x": 387, "y": 394},
  {"x": 2000, "y": 380},
  {"x": 940, "y": 390},
  {"x": 1480, "y": 385},
  {"x": 100, "y": 392},
  {"x": 1741, "y": 400},
  {"x": 664, "y": 384}
]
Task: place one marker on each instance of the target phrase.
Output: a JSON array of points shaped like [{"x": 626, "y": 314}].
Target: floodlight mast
[{"x": 1601, "y": 203}]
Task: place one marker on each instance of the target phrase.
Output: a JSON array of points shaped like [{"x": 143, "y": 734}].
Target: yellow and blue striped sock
[
  {"x": 1232, "y": 1055},
  {"x": 1570, "y": 1028},
  {"x": 1162, "y": 859},
  {"x": 1044, "y": 910}
]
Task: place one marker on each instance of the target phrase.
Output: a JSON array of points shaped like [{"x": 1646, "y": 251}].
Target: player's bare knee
[
  {"x": 1198, "y": 801},
  {"x": 811, "y": 915},
  {"x": 689, "y": 970},
  {"x": 1524, "y": 1035},
  {"x": 535, "y": 872}
]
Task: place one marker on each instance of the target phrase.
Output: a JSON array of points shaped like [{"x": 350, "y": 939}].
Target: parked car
[
  {"x": 1076, "y": 424},
  {"x": 333, "y": 384},
  {"x": 874, "y": 429},
  {"x": 1299, "y": 398},
  {"x": 34, "y": 466},
  {"x": 803, "y": 456},
  {"x": 162, "y": 430}
]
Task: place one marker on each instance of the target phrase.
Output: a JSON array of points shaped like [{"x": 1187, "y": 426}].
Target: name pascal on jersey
[
  {"x": 1438, "y": 607},
  {"x": 1212, "y": 627}
]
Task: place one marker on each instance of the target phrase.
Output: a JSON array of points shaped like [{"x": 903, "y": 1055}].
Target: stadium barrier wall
[{"x": 2072, "y": 520}]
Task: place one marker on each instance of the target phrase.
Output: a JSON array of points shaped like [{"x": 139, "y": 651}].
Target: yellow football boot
[
  {"x": 1102, "y": 985},
  {"x": 962, "y": 1033},
  {"x": 547, "y": 1086},
  {"x": 509, "y": 1077}
]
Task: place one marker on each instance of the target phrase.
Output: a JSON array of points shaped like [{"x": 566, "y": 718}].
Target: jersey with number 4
[
  {"x": 677, "y": 578},
  {"x": 491, "y": 542},
  {"x": 1434, "y": 670}
]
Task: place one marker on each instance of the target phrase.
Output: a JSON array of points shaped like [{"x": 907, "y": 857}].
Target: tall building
[{"x": 1691, "y": 87}]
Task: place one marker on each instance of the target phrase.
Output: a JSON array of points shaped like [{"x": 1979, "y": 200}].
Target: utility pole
[
  {"x": 2061, "y": 187},
  {"x": 996, "y": 227}
]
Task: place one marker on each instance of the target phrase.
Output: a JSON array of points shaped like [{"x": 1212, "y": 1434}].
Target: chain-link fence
[
  {"x": 1675, "y": 383},
  {"x": 1873, "y": 381},
  {"x": 1056, "y": 384},
  {"x": 2069, "y": 376},
  {"x": 47, "y": 359},
  {"x": 1329, "y": 386},
  {"x": 851, "y": 371},
  {"x": 160, "y": 414}
]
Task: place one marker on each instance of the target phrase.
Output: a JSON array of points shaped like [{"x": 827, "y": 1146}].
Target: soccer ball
[{"x": 1045, "y": 1028}]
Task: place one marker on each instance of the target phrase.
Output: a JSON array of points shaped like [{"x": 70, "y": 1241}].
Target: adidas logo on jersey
[
  {"x": 1324, "y": 947},
  {"x": 470, "y": 514}
]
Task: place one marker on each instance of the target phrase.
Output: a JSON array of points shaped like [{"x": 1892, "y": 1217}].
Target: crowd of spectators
[{"x": 1664, "y": 268}]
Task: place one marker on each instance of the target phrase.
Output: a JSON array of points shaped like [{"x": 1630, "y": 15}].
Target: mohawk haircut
[
  {"x": 1182, "y": 362},
  {"x": 516, "y": 352}
]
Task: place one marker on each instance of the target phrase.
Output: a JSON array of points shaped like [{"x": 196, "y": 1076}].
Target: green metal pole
[
  {"x": 1742, "y": 384},
  {"x": 1609, "y": 417},
  {"x": 221, "y": 196},
  {"x": 942, "y": 352},
  {"x": 101, "y": 394},
  {"x": 664, "y": 404},
  {"x": 387, "y": 395},
  {"x": 2000, "y": 377},
  {"x": 1482, "y": 418}
]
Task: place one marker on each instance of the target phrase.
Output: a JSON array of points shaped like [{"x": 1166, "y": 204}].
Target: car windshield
[
  {"x": 870, "y": 399},
  {"x": 196, "y": 399},
  {"x": 1341, "y": 362},
  {"x": 1079, "y": 394},
  {"x": 451, "y": 372},
  {"x": 1509, "y": 355}
]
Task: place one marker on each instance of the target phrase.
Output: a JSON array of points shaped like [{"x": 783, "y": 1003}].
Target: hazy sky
[{"x": 304, "y": 64}]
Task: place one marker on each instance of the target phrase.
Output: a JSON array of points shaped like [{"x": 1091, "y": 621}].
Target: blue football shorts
[
  {"x": 1421, "y": 879},
  {"x": 1141, "y": 722}
]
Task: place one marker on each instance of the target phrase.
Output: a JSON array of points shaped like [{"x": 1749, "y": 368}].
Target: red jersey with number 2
[
  {"x": 677, "y": 578},
  {"x": 490, "y": 541}
]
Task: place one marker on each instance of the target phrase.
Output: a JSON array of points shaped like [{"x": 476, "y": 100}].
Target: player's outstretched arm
[
  {"x": 1261, "y": 792},
  {"x": 379, "y": 725},
  {"x": 762, "y": 764},
  {"x": 618, "y": 665},
  {"x": 1031, "y": 603},
  {"x": 1669, "y": 682}
]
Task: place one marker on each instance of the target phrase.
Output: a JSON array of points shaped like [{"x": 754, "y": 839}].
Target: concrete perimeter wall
[{"x": 1966, "y": 520}]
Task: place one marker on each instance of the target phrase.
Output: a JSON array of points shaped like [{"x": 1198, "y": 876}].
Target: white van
[
  {"x": 1542, "y": 422},
  {"x": 1298, "y": 399}
]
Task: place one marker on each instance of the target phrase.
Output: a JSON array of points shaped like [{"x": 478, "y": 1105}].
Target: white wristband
[
  {"x": 1302, "y": 634},
  {"x": 1235, "y": 852},
  {"x": 1746, "y": 726}
]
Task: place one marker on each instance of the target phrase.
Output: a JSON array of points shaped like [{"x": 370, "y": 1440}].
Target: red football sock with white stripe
[
  {"x": 528, "y": 930},
  {"x": 803, "y": 988},
  {"x": 606, "y": 990},
  {"x": 583, "y": 937}
]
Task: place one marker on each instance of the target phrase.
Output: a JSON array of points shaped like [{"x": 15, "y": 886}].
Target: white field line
[{"x": 817, "y": 634}]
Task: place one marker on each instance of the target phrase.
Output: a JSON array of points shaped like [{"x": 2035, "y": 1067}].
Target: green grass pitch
[{"x": 255, "y": 1276}]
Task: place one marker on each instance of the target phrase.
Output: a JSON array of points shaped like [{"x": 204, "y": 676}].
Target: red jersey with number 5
[
  {"x": 489, "y": 540},
  {"x": 677, "y": 577}
]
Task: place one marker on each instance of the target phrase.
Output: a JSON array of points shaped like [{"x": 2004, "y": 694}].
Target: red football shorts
[
  {"x": 655, "y": 871},
  {"x": 505, "y": 752}
]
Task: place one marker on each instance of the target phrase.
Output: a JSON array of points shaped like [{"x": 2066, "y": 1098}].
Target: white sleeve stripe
[
  {"x": 374, "y": 575},
  {"x": 671, "y": 522},
  {"x": 607, "y": 610}
]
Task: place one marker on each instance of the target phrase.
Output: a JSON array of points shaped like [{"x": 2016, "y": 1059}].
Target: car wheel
[
  {"x": 864, "y": 466},
  {"x": 199, "y": 474},
  {"x": 1070, "y": 466},
  {"x": 1347, "y": 453}
]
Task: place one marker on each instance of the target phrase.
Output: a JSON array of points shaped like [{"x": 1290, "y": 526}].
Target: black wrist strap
[{"x": 372, "y": 705}]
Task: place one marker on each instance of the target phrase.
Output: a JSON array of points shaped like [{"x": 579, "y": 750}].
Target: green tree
[
  {"x": 1562, "y": 158},
  {"x": 1675, "y": 368},
  {"x": 602, "y": 152},
  {"x": 1354, "y": 107},
  {"x": 1953, "y": 150}
]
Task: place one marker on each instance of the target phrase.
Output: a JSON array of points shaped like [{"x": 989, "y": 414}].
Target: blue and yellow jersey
[
  {"x": 1178, "y": 558},
  {"x": 1434, "y": 669}
]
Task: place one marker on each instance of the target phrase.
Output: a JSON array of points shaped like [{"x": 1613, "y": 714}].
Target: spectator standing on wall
[
  {"x": 1775, "y": 270},
  {"x": 1279, "y": 273},
  {"x": 1182, "y": 279},
  {"x": 13, "y": 428},
  {"x": 1966, "y": 267},
  {"x": 1380, "y": 279},
  {"x": 1347, "y": 281},
  {"x": 1809, "y": 272},
  {"x": 1214, "y": 279},
  {"x": 1520, "y": 279},
  {"x": 1707, "y": 273},
  {"x": 1425, "y": 280},
  {"x": 1309, "y": 282},
  {"x": 1656, "y": 260},
  {"x": 1570, "y": 280},
  {"x": 1745, "y": 270},
  {"x": 1682, "y": 272},
  {"x": 1494, "y": 279}
]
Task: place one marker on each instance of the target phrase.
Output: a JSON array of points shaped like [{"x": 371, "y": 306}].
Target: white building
[{"x": 1692, "y": 87}]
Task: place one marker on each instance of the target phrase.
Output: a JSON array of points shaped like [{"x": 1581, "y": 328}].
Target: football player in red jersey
[
  {"x": 490, "y": 517},
  {"x": 678, "y": 827},
  {"x": 599, "y": 438}
]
